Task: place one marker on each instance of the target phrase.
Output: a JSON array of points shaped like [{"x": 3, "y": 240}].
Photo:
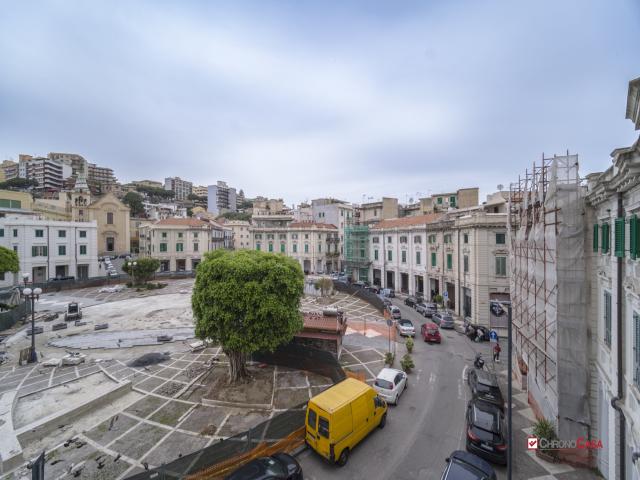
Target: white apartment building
[
  {"x": 200, "y": 191},
  {"x": 50, "y": 174},
  {"x": 181, "y": 188},
  {"x": 221, "y": 198},
  {"x": 179, "y": 243},
  {"x": 334, "y": 212},
  {"x": 240, "y": 234},
  {"x": 461, "y": 255},
  {"x": 614, "y": 235},
  {"x": 50, "y": 249},
  {"x": 316, "y": 246},
  {"x": 159, "y": 211}
]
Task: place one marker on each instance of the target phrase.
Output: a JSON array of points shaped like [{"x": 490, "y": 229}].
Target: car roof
[
  {"x": 474, "y": 460},
  {"x": 388, "y": 374},
  {"x": 487, "y": 378},
  {"x": 405, "y": 321},
  {"x": 485, "y": 406},
  {"x": 430, "y": 325}
]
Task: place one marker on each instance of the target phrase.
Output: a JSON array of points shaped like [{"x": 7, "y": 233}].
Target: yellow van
[{"x": 338, "y": 418}]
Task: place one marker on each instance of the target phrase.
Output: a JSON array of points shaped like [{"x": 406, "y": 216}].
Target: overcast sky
[{"x": 301, "y": 99}]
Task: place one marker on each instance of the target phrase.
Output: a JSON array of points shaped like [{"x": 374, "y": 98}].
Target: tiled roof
[
  {"x": 182, "y": 222},
  {"x": 326, "y": 226},
  {"x": 407, "y": 221},
  {"x": 321, "y": 323}
]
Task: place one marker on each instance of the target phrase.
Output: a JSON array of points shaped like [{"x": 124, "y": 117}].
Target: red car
[{"x": 430, "y": 333}]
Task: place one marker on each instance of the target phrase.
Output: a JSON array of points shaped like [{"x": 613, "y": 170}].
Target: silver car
[
  {"x": 427, "y": 309},
  {"x": 405, "y": 328},
  {"x": 444, "y": 320}
]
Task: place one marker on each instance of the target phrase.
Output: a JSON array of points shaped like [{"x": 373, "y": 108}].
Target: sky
[{"x": 300, "y": 100}]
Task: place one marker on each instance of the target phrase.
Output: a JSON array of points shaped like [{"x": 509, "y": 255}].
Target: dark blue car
[{"x": 463, "y": 465}]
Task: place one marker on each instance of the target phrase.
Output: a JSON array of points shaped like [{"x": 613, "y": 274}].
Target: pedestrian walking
[{"x": 496, "y": 352}]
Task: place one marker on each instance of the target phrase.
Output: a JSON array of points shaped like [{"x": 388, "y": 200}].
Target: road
[{"x": 424, "y": 429}]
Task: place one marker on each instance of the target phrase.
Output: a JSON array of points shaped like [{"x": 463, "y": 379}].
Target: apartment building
[
  {"x": 9, "y": 169},
  {"x": 221, "y": 198},
  {"x": 49, "y": 173},
  {"x": 100, "y": 179},
  {"x": 372, "y": 212},
  {"x": 200, "y": 191},
  {"x": 179, "y": 243},
  {"x": 159, "y": 211},
  {"x": 240, "y": 234},
  {"x": 181, "y": 188},
  {"x": 334, "y": 212},
  {"x": 50, "y": 249}
]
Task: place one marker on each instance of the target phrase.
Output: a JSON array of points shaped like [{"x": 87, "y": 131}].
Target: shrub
[
  {"x": 407, "y": 363},
  {"x": 543, "y": 428},
  {"x": 389, "y": 358},
  {"x": 409, "y": 344}
]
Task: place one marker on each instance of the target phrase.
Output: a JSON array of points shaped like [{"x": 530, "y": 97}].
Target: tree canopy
[
  {"x": 9, "y": 261},
  {"x": 236, "y": 216},
  {"x": 134, "y": 201},
  {"x": 143, "y": 270},
  {"x": 247, "y": 301},
  {"x": 18, "y": 183}
]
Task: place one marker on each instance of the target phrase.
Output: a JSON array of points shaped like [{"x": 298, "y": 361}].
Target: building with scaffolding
[
  {"x": 356, "y": 252},
  {"x": 551, "y": 330}
]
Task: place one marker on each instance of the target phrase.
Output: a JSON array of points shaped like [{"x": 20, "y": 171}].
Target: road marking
[
  {"x": 432, "y": 378},
  {"x": 418, "y": 375},
  {"x": 464, "y": 373},
  {"x": 459, "y": 388}
]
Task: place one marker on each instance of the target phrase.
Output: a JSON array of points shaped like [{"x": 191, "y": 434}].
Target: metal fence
[
  {"x": 269, "y": 432},
  {"x": 10, "y": 317},
  {"x": 360, "y": 292}
]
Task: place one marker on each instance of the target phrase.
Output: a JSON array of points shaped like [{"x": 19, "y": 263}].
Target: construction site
[
  {"x": 356, "y": 242},
  {"x": 548, "y": 291}
]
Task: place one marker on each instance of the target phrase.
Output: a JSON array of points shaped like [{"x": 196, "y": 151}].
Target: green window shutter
[
  {"x": 633, "y": 237},
  {"x": 619, "y": 237},
  {"x": 596, "y": 232},
  {"x": 433, "y": 259},
  {"x": 604, "y": 248},
  {"x": 449, "y": 261}
]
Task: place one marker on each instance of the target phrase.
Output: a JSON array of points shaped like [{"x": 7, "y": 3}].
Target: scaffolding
[
  {"x": 356, "y": 242},
  {"x": 546, "y": 233}
]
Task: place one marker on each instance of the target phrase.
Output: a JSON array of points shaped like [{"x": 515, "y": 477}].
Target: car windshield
[
  {"x": 405, "y": 323},
  {"x": 463, "y": 471},
  {"x": 382, "y": 383},
  {"x": 488, "y": 421},
  {"x": 272, "y": 467}
]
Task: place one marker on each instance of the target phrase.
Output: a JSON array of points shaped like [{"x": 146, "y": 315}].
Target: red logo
[{"x": 532, "y": 442}]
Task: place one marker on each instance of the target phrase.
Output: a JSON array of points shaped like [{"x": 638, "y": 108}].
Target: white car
[
  {"x": 390, "y": 384},
  {"x": 405, "y": 328}
]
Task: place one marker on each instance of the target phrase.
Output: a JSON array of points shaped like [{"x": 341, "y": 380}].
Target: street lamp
[
  {"x": 132, "y": 269},
  {"x": 32, "y": 295}
]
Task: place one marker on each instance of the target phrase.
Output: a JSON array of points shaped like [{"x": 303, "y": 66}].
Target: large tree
[
  {"x": 143, "y": 269},
  {"x": 8, "y": 261},
  {"x": 134, "y": 201},
  {"x": 247, "y": 301}
]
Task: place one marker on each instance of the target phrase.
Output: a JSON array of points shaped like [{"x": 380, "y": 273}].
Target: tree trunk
[{"x": 237, "y": 368}]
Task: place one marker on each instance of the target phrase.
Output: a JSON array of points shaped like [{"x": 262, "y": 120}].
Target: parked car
[
  {"x": 61, "y": 278},
  {"x": 341, "y": 416},
  {"x": 277, "y": 466},
  {"x": 430, "y": 333},
  {"x": 463, "y": 465},
  {"x": 373, "y": 288},
  {"x": 389, "y": 292},
  {"x": 395, "y": 312},
  {"x": 358, "y": 284},
  {"x": 426, "y": 309},
  {"x": 410, "y": 302},
  {"x": 386, "y": 301},
  {"x": 390, "y": 384},
  {"x": 484, "y": 386},
  {"x": 405, "y": 328},
  {"x": 486, "y": 432},
  {"x": 443, "y": 320}
]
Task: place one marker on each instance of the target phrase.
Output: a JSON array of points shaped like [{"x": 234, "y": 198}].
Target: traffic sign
[
  {"x": 493, "y": 336},
  {"x": 445, "y": 294},
  {"x": 389, "y": 322}
]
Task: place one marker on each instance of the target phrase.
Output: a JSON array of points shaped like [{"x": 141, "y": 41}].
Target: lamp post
[
  {"x": 32, "y": 295},
  {"x": 132, "y": 270}
]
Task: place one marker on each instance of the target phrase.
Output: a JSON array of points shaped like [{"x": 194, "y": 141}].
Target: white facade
[
  {"x": 181, "y": 188},
  {"x": 334, "y": 212},
  {"x": 240, "y": 234},
  {"x": 48, "y": 249},
  {"x": 159, "y": 211},
  {"x": 221, "y": 198}
]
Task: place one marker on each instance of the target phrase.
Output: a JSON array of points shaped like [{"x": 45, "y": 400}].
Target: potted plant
[
  {"x": 407, "y": 363},
  {"x": 389, "y": 358},
  {"x": 438, "y": 299},
  {"x": 409, "y": 344},
  {"x": 544, "y": 429}
]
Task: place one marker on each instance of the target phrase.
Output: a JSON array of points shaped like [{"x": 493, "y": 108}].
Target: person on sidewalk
[{"x": 496, "y": 352}]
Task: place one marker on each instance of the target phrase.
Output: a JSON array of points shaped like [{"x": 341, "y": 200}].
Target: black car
[
  {"x": 410, "y": 301},
  {"x": 278, "y": 466},
  {"x": 467, "y": 466},
  {"x": 486, "y": 432},
  {"x": 386, "y": 301},
  {"x": 484, "y": 386}
]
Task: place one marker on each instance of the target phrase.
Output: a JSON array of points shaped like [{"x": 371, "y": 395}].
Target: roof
[
  {"x": 471, "y": 459},
  {"x": 340, "y": 394},
  {"x": 321, "y": 322},
  {"x": 407, "y": 221},
  {"x": 487, "y": 378},
  {"x": 388, "y": 374},
  {"x": 181, "y": 222},
  {"x": 325, "y": 226}
]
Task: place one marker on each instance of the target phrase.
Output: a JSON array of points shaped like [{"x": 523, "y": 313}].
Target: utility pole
[{"x": 509, "y": 397}]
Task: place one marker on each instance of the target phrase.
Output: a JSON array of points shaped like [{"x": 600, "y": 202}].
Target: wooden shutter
[
  {"x": 596, "y": 232},
  {"x": 619, "y": 237},
  {"x": 605, "y": 238},
  {"x": 633, "y": 237}
]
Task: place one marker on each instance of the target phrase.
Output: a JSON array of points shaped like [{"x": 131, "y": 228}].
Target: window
[
  {"x": 179, "y": 247},
  {"x": 319, "y": 236},
  {"x": 636, "y": 349},
  {"x": 1, "y": 232},
  {"x": 62, "y": 233},
  {"x": 418, "y": 260},
  {"x": 449, "y": 261},
  {"x": 111, "y": 244},
  {"x": 295, "y": 248},
  {"x": 417, "y": 239},
  {"x": 306, "y": 236},
  {"x": 634, "y": 238},
  {"x": 312, "y": 419},
  {"x": 294, "y": 236},
  {"x": 83, "y": 249},
  {"x": 362, "y": 255},
  {"x": 439, "y": 200},
  {"x": 432, "y": 239},
  {"x": 109, "y": 218},
  {"x": 269, "y": 236},
  {"x": 39, "y": 251},
  {"x": 15, "y": 232},
  {"x": 403, "y": 256},
  {"x": 434, "y": 260},
  {"x": 323, "y": 427},
  {"x": 465, "y": 261},
  {"x": 596, "y": 233},
  {"x": 607, "y": 319},
  {"x": 375, "y": 254},
  {"x": 195, "y": 234},
  {"x": 389, "y": 256},
  {"x": 465, "y": 238},
  {"x": 83, "y": 233},
  {"x": 306, "y": 248},
  {"x": 619, "y": 237},
  {"x": 452, "y": 201},
  {"x": 283, "y": 236},
  {"x": 258, "y": 236},
  {"x": 320, "y": 249},
  {"x": 258, "y": 246},
  {"x": 447, "y": 238},
  {"x": 195, "y": 247},
  {"x": 164, "y": 234},
  {"x": 403, "y": 239},
  {"x": 501, "y": 266},
  {"x": 501, "y": 239},
  {"x": 375, "y": 240},
  {"x": 163, "y": 247},
  {"x": 179, "y": 234},
  {"x": 39, "y": 233},
  {"x": 282, "y": 248},
  {"x": 604, "y": 238}
]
